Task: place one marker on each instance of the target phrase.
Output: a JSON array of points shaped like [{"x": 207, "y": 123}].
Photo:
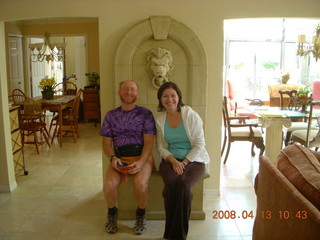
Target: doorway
[
  {"x": 259, "y": 51},
  {"x": 15, "y": 63}
]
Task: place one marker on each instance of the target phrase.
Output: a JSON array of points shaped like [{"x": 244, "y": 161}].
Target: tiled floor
[{"x": 61, "y": 197}]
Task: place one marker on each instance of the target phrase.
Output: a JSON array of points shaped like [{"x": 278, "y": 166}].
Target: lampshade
[{"x": 305, "y": 48}]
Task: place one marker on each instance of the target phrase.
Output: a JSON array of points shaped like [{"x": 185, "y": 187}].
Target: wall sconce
[
  {"x": 313, "y": 47},
  {"x": 305, "y": 48}
]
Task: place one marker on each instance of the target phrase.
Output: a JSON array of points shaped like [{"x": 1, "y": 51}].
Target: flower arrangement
[
  {"x": 285, "y": 76},
  {"x": 304, "y": 97},
  {"x": 304, "y": 92},
  {"x": 47, "y": 84}
]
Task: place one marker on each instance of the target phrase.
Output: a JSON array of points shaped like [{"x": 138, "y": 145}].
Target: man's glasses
[{"x": 126, "y": 89}]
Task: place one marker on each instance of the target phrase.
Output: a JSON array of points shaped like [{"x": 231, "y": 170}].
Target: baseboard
[{"x": 8, "y": 189}]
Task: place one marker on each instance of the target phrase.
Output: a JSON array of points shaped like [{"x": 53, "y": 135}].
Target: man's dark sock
[
  {"x": 141, "y": 211},
  {"x": 112, "y": 211}
]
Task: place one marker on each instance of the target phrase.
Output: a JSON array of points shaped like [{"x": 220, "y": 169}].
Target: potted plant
[
  {"x": 47, "y": 84},
  {"x": 304, "y": 97},
  {"x": 93, "y": 79}
]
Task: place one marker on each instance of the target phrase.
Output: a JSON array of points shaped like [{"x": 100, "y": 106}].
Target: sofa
[{"x": 288, "y": 196}]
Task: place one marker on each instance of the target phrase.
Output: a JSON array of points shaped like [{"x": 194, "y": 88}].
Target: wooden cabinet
[
  {"x": 17, "y": 148},
  {"x": 91, "y": 105}
]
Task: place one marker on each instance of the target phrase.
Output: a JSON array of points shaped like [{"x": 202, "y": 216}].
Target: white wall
[
  {"x": 7, "y": 175},
  {"x": 204, "y": 17}
]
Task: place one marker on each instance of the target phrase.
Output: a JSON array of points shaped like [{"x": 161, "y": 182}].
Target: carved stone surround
[{"x": 190, "y": 73}]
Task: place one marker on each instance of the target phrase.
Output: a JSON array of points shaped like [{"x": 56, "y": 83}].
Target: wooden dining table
[{"x": 57, "y": 104}]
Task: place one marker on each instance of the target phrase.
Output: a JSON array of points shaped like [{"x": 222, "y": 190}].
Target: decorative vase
[
  {"x": 304, "y": 101},
  {"x": 285, "y": 79},
  {"x": 47, "y": 95}
]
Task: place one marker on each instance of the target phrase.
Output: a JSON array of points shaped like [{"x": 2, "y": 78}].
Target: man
[{"x": 127, "y": 139}]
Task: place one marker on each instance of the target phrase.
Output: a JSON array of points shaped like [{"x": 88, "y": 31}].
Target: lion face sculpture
[{"x": 159, "y": 66}]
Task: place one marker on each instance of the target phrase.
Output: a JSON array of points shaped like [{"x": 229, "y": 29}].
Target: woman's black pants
[{"x": 178, "y": 197}]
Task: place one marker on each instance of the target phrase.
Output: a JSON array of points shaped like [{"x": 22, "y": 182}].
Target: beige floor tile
[
  {"x": 84, "y": 225},
  {"x": 213, "y": 228},
  {"x": 11, "y": 222},
  {"x": 6, "y": 235},
  {"x": 34, "y": 236},
  {"x": 77, "y": 237},
  {"x": 62, "y": 199},
  {"x": 34, "y": 191},
  {"x": 49, "y": 224},
  {"x": 55, "y": 207},
  {"x": 79, "y": 180},
  {"x": 90, "y": 207},
  {"x": 17, "y": 205},
  {"x": 77, "y": 192}
]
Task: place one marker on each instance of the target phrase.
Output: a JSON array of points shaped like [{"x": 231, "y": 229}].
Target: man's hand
[
  {"x": 116, "y": 163},
  {"x": 135, "y": 167}
]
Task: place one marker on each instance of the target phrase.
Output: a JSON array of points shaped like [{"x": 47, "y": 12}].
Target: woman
[{"x": 181, "y": 145}]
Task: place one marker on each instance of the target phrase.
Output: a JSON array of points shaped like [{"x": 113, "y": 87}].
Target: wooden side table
[
  {"x": 91, "y": 105},
  {"x": 275, "y": 96}
]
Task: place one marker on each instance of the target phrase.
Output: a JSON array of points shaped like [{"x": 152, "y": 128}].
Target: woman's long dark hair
[{"x": 165, "y": 86}]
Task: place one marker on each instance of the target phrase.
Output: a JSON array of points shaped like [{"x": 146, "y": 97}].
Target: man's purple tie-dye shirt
[{"x": 128, "y": 127}]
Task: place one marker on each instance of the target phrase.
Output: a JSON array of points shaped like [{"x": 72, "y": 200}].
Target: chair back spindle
[{"x": 292, "y": 103}]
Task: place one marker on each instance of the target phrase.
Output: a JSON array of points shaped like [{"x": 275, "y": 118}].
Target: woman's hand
[{"x": 178, "y": 166}]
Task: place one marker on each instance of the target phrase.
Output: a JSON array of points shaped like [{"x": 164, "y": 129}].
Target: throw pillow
[{"x": 300, "y": 166}]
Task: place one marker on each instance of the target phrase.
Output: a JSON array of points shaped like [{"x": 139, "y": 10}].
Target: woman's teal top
[{"x": 178, "y": 141}]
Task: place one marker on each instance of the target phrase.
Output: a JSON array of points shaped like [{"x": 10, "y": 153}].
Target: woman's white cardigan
[{"x": 193, "y": 126}]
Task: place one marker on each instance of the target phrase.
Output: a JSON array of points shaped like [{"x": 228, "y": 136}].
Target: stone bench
[{"x": 155, "y": 208}]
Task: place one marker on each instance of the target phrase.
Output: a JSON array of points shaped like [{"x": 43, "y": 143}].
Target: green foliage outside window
[
  {"x": 270, "y": 65},
  {"x": 238, "y": 66}
]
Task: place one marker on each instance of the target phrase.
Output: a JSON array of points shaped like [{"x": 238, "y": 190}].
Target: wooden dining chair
[
  {"x": 18, "y": 96},
  {"x": 291, "y": 96},
  {"x": 32, "y": 122},
  {"x": 70, "y": 88},
  {"x": 65, "y": 88},
  {"x": 62, "y": 88},
  {"x": 239, "y": 131},
  {"x": 241, "y": 108},
  {"x": 292, "y": 104},
  {"x": 69, "y": 121},
  {"x": 309, "y": 137},
  {"x": 58, "y": 89}
]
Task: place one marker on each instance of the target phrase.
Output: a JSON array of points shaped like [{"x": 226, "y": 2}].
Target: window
[{"x": 257, "y": 50}]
